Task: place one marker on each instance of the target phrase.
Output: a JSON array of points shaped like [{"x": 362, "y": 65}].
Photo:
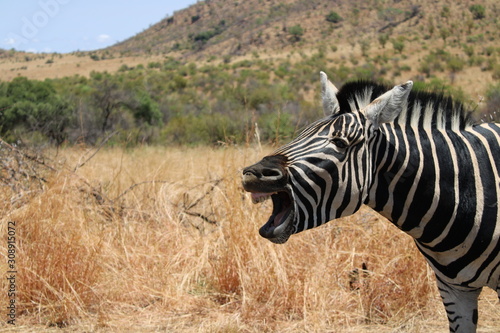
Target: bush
[
  {"x": 478, "y": 12},
  {"x": 29, "y": 106},
  {"x": 398, "y": 45},
  {"x": 468, "y": 50},
  {"x": 492, "y": 104},
  {"x": 382, "y": 39},
  {"x": 296, "y": 32},
  {"x": 203, "y": 129},
  {"x": 147, "y": 110},
  {"x": 441, "y": 86},
  {"x": 204, "y": 36},
  {"x": 435, "y": 61},
  {"x": 276, "y": 127},
  {"x": 455, "y": 64},
  {"x": 333, "y": 17},
  {"x": 155, "y": 64}
]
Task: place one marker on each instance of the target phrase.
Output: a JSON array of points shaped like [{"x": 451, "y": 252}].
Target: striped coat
[{"x": 417, "y": 159}]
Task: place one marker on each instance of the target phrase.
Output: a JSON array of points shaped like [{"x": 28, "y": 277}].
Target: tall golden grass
[{"x": 157, "y": 239}]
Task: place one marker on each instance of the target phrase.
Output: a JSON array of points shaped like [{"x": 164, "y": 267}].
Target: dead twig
[
  {"x": 79, "y": 165},
  {"x": 201, "y": 216},
  {"x": 186, "y": 209},
  {"x": 141, "y": 183},
  {"x": 210, "y": 190}
]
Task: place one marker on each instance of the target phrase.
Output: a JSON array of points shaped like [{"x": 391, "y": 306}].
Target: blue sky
[{"x": 69, "y": 25}]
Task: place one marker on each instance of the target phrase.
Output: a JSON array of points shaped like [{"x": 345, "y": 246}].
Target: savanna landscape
[{"x": 121, "y": 170}]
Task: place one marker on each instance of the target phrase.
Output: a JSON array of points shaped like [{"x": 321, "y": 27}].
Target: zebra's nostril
[{"x": 274, "y": 173}]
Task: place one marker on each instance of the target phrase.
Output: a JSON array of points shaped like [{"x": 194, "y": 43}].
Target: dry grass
[
  {"x": 64, "y": 65},
  {"x": 180, "y": 252}
]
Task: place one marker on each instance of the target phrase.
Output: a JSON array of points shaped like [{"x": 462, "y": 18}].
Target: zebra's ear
[
  {"x": 388, "y": 106},
  {"x": 328, "y": 95}
]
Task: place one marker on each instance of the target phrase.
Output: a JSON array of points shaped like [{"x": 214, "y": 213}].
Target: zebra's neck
[
  {"x": 442, "y": 188},
  {"x": 423, "y": 178}
]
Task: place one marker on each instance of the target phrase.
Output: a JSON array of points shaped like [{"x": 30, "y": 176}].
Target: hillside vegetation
[{"x": 220, "y": 70}]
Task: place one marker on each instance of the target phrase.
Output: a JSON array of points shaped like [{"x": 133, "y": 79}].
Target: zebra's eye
[{"x": 340, "y": 143}]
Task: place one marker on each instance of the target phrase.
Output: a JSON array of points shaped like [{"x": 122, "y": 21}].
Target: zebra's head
[{"x": 324, "y": 173}]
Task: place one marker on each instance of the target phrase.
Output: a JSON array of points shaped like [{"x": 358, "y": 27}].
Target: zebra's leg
[{"x": 461, "y": 307}]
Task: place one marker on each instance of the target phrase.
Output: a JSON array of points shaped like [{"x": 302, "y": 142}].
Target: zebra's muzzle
[{"x": 268, "y": 179}]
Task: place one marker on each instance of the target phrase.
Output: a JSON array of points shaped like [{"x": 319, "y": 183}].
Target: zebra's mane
[{"x": 425, "y": 108}]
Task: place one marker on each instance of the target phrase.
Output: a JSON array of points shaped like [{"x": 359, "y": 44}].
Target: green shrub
[
  {"x": 124, "y": 68},
  {"x": 29, "y": 106},
  {"x": 405, "y": 68},
  {"x": 202, "y": 129},
  {"x": 478, "y": 12},
  {"x": 398, "y": 45},
  {"x": 492, "y": 103},
  {"x": 389, "y": 14},
  {"x": 204, "y": 36},
  {"x": 382, "y": 39},
  {"x": 496, "y": 72},
  {"x": 147, "y": 110},
  {"x": 366, "y": 72},
  {"x": 276, "y": 127},
  {"x": 455, "y": 64},
  {"x": 489, "y": 50},
  {"x": 437, "y": 61},
  {"x": 475, "y": 38},
  {"x": 155, "y": 64},
  {"x": 468, "y": 49},
  {"x": 333, "y": 17},
  {"x": 296, "y": 32}
]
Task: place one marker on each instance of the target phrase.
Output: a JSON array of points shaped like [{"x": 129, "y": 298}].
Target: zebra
[{"x": 418, "y": 159}]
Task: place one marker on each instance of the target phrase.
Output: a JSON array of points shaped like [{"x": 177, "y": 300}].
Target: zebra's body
[{"x": 415, "y": 158}]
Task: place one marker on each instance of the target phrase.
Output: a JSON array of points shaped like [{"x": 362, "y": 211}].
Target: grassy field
[{"x": 163, "y": 239}]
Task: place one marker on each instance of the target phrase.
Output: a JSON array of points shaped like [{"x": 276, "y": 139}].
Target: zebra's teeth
[{"x": 260, "y": 197}]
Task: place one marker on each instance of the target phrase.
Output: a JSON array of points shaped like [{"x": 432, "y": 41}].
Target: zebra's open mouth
[{"x": 279, "y": 227}]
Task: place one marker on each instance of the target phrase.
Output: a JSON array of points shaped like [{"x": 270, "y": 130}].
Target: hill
[
  {"x": 454, "y": 40},
  {"x": 235, "y": 28},
  {"x": 412, "y": 39},
  {"x": 212, "y": 72}
]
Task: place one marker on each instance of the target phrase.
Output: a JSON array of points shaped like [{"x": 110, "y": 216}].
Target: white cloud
[
  {"x": 103, "y": 38},
  {"x": 10, "y": 41}
]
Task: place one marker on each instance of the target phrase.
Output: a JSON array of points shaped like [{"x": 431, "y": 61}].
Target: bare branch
[
  {"x": 210, "y": 190},
  {"x": 79, "y": 165},
  {"x": 141, "y": 183},
  {"x": 201, "y": 216}
]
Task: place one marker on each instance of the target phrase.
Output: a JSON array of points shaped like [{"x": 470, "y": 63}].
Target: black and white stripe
[{"x": 416, "y": 158}]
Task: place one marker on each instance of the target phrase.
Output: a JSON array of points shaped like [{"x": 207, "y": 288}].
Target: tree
[
  {"x": 33, "y": 106},
  {"x": 106, "y": 98}
]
